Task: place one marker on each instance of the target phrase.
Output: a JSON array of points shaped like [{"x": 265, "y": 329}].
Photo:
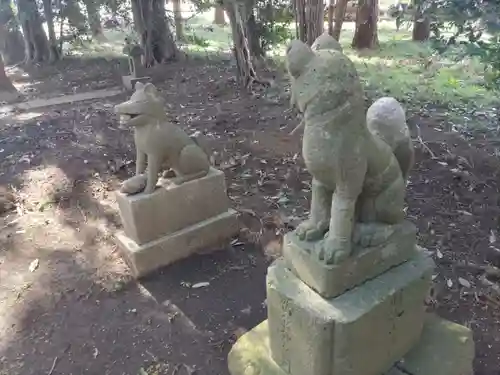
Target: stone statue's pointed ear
[
  {"x": 149, "y": 88},
  {"x": 139, "y": 85}
]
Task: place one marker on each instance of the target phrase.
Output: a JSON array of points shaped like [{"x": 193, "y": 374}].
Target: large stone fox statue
[
  {"x": 358, "y": 188},
  {"x": 385, "y": 118},
  {"x": 159, "y": 143}
]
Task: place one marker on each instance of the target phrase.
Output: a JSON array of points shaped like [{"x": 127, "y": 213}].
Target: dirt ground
[{"x": 68, "y": 304}]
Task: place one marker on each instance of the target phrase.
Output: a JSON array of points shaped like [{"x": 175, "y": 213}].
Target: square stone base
[
  {"x": 445, "y": 348},
  {"x": 130, "y": 81},
  {"x": 171, "y": 208},
  {"x": 363, "y": 331},
  {"x": 333, "y": 280},
  {"x": 201, "y": 237}
]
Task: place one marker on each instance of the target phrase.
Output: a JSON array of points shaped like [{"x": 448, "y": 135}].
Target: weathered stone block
[
  {"x": 130, "y": 81},
  {"x": 363, "y": 331},
  {"x": 366, "y": 263},
  {"x": 203, "y": 236},
  {"x": 445, "y": 348},
  {"x": 148, "y": 217}
]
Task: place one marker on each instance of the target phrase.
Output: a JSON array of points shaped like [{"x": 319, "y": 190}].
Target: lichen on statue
[
  {"x": 159, "y": 143},
  {"x": 358, "y": 189}
]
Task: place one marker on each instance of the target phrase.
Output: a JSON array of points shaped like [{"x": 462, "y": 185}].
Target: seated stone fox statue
[
  {"x": 158, "y": 142},
  {"x": 358, "y": 188},
  {"x": 385, "y": 118}
]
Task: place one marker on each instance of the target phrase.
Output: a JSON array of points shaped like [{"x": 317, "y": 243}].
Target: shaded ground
[{"x": 79, "y": 311}]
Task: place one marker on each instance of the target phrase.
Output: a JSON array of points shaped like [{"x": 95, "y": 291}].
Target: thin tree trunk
[
  {"x": 94, "y": 18},
  {"x": 179, "y": 30},
  {"x": 247, "y": 74},
  {"x": 340, "y": 9},
  {"x": 331, "y": 7},
  {"x": 10, "y": 34},
  {"x": 219, "y": 16},
  {"x": 8, "y": 92},
  {"x": 421, "y": 26},
  {"x": 315, "y": 20},
  {"x": 366, "y": 35},
  {"x": 73, "y": 13},
  {"x": 35, "y": 39},
  {"x": 310, "y": 19},
  {"x": 300, "y": 17},
  {"x": 54, "y": 54}
]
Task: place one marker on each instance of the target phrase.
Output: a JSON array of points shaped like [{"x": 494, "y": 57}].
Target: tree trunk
[
  {"x": 8, "y": 92},
  {"x": 331, "y": 8},
  {"x": 179, "y": 30},
  {"x": 366, "y": 35},
  {"x": 310, "y": 19},
  {"x": 421, "y": 26},
  {"x": 54, "y": 54},
  {"x": 73, "y": 13},
  {"x": 94, "y": 19},
  {"x": 156, "y": 38},
  {"x": 10, "y": 34},
  {"x": 300, "y": 19},
  {"x": 240, "y": 15},
  {"x": 340, "y": 8},
  {"x": 36, "y": 45},
  {"x": 219, "y": 16}
]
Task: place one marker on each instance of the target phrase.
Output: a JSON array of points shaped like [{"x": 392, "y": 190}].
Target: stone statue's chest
[
  {"x": 149, "y": 139},
  {"x": 320, "y": 151}
]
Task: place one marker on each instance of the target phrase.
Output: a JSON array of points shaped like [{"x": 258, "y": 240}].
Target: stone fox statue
[
  {"x": 158, "y": 142},
  {"x": 385, "y": 117},
  {"x": 357, "y": 189}
]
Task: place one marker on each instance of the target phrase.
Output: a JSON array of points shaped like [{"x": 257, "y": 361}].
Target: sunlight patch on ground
[{"x": 26, "y": 116}]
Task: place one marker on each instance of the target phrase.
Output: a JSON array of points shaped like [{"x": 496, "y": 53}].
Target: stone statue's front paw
[
  {"x": 334, "y": 250},
  {"x": 134, "y": 184},
  {"x": 311, "y": 231},
  {"x": 149, "y": 188}
]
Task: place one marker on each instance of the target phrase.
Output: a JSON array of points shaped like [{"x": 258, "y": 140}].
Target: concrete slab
[
  {"x": 205, "y": 236},
  {"x": 445, "y": 348},
  {"x": 363, "y": 331},
  {"x": 333, "y": 280},
  {"x": 65, "y": 99},
  {"x": 147, "y": 217}
]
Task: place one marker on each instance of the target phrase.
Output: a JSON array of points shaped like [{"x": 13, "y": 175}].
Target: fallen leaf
[
  {"x": 200, "y": 285},
  {"x": 96, "y": 353},
  {"x": 449, "y": 283},
  {"x": 464, "y": 283},
  {"x": 247, "y": 310},
  {"x": 439, "y": 254},
  {"x": 34, "y": 265},
  {"x": 493, "y": 237}
]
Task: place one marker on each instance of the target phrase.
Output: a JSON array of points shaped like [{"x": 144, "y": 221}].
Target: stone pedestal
[
  {"x": 445, "y": 348},
  {"x": 130, "y": 81},
  {"x": 363, "y": 331},
  {"x": 174, "y": 222},
  {"x": 365, "y": 316}
]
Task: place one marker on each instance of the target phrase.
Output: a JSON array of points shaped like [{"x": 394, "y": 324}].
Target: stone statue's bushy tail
[{"x": 386, "y": 119}]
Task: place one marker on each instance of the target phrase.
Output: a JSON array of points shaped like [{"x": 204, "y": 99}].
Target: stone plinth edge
[
  {"x": 205, "y": 236},
  {"x": 445, "y": 348},
  {"x": 333, "y": 280}
]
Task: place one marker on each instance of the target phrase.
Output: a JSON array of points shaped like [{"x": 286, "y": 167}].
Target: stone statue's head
[
  {"x": 298, "y": 55},
  {"x": 326, "y": 41},
  {"x": 143, "y": 106}
]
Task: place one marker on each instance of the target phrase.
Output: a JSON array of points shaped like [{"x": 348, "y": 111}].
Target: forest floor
[{"x": 68, "y": 304}]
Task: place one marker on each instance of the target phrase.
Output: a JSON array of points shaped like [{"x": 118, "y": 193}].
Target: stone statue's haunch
[
  {"x": 358, "y": 188},
  {"x": 158, "y": 142}
]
